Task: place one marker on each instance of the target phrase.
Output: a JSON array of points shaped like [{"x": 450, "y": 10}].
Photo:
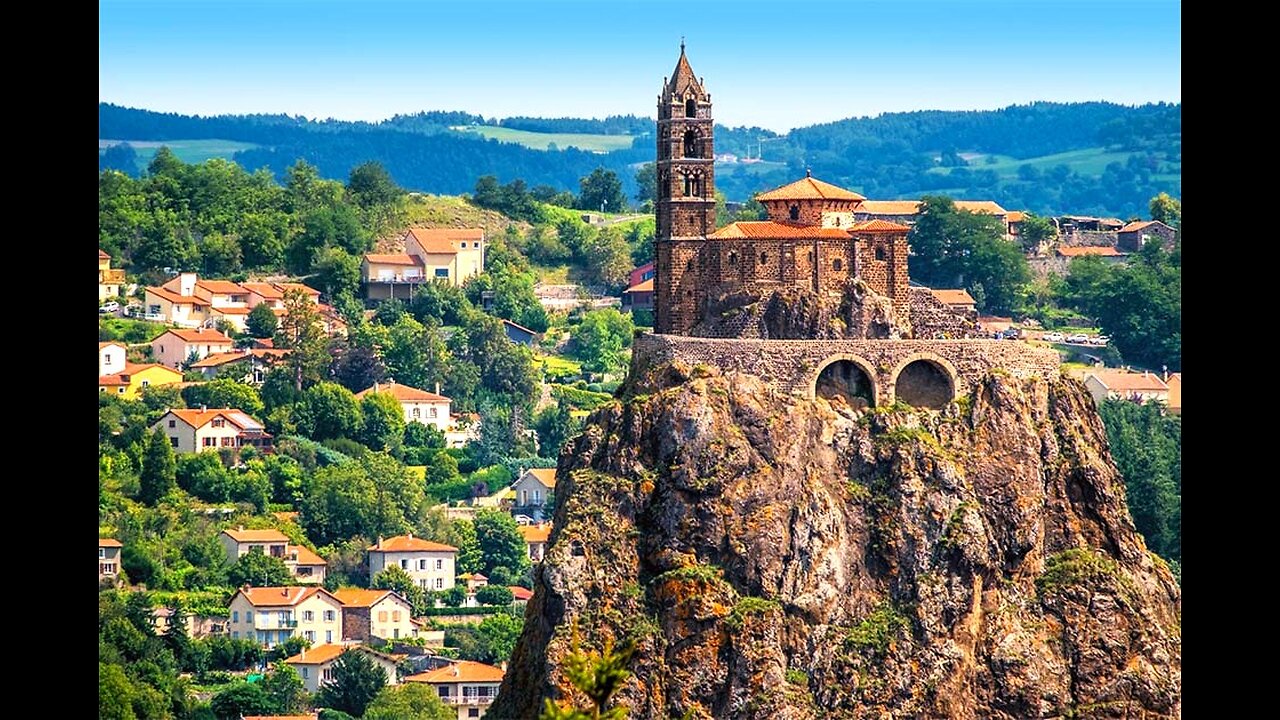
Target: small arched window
[
  {"x": 837, "y": 221},
  {"x": 764, "y": 258},
  {"x": 837, "y": 265},
  {"x": 733, "y": 258},
  {"x": 691, "y": 108},
  {"x": 795, "y": 212},
  {"x": 691, "y": 144},
  {"x": 880, "y": 253}
]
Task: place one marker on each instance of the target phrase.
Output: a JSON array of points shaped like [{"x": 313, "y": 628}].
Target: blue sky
[{"x": 774, "y": 64}]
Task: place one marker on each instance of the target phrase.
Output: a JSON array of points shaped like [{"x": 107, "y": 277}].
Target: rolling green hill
[
  {"x": 544, "y": 141},
  {"x": 191, "y": 151}
]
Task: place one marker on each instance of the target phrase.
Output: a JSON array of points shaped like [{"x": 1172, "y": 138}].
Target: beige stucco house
[
  {"x": 109, "y": 281},
  {"x": 420, "y": 406},
  {"x": 468, "y": 686},
  {"x": 430, "y": 564},
  {"x": 532, "y": 490},
  {"x": 211, "y": 429},
  {"x": 307, "y": 567},
  {"x": 535, "y": 540},
  {"x": 108, "y": 558},
  {"x": 315, "y": 664},
  {"x": 175, "y": 347},
  {"x": 271, "y": 615},
  {"x": 368, "y": 614},
  {"x": 1125, "y": 385},
  {"x": 1175, "y": 393},
  {"x": 111, "y": 358},
  {"x": 449, "y": 255}
]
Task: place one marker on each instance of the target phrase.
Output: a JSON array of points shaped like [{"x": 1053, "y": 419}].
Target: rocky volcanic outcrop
[
  {"x": 856, "y": 312},
  {"x": 775, "y": 557}
]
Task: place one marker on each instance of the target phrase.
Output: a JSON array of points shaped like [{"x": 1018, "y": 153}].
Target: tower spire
[{"x": 681, "y": 44}]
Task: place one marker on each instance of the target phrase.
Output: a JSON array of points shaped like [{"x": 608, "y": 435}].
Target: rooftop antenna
[{"x": 681, "y": 44}]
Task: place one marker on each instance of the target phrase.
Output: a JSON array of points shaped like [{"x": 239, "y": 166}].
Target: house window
[
  {"x": 308, "y": 615},
  {"x": 306, "y": 672},
  {"x": 691, "y": 108},
  {"x": 120, "y": 391},
  {"x": 207, "y": 442},
  {"x": 102, "y": 552},
  {"x": 248, "y": 616},
  {"x": 219, "y": 422},
  {"x": 395, "y": 616},
  {"x": 439, "y": 564},
  {"x": 146, "y": 383},
  {"x": 537, "y": 497},
  {"x": 422, "y": 564},
  {"x": 311, "y": 636},
  {"x": 327, "y": 674},
  {"x": 235, "y": 635},
  {"x": 328, "y": 636},
  {"x": 226, "y": 441},
  {"x": 395, "y": 632},
  {"x": 442, "y": 272},
  {"x": 795, "y": 212},
  {"x": 404, "y": 564},
  {"x": 524, "y": 497},
  {"x": 106, "y": 568},
  {"x": 173, "y": 441},
  {"x": 439, "y": 583},
  {"x": 382, "y": 616},
  {"x": 837, "y": 221},
  {"x": 473, "y": 712},
  {"x": 328, "y": 616},
  {"x": 417, "y": 412},
  {"x": 173, "y": 423},
  {"x": 837, "y": 265},
  {"x": 235, "y": 616},
  {"x": 880, "y": 254}
]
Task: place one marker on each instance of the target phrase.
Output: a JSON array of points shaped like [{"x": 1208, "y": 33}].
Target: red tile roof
[
  {"x": 175, "y": 298},
  {"x": 878, "y": 226},
  {"x": 535, "y": 533},
  {"x": 461, "y": 671},
  {"x": 443, "y": 240},
  {"x": 218, "y": 359},
  {"x": 102, "y": 255},
  {"x": 263, "y": 289},
  {"x": 198, "y": 418},
  {"x": 113, "y": 379},
  {"x": 109, "y": 542},
  {"x": 772, "y": 230},
  {"x": 319, "y": 654},
  {"x": 200, "y": 335},
  {"x": 809, "y": 188},
  {"x": 232, "y": 310},
  {"x": 646, "y": 286},
  {"x": 359, "y": 597},
  {"x": 284, "y": 287},
  {"x": 221, "y": 287},
  {"x": 391, "y": 259},
  {"x": 1143, "y": 225},
  {"x": 280, "y": 596},
  {"x": 120, "y": 345},
  {"x": 403, "y": 393},
  {"x": 953, "y": 297},
  {"x": 1014, "y": 216},
  {"x": 1121, "y": 380},
  {"x": 267, "y": 535},
  {"x": 546, "y": 476},
  {"x": 1099, "y": 250},
  {"x": 409, "y": 543},
  {"x": 889, "y": 207},
  {"x": 520, "y": 594}
]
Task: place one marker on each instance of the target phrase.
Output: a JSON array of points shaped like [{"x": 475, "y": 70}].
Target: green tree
[
  {"x": 329, "y": 410},
  {"x": 337, "y": 271},
  {"x": 357, "y": 680},
  {"x": 1035, "y": 230},
  {"x": 495, "y": 595},
  {"x": 500, "y": 541},
  {"x": 159, "y": 470},
  {"x": 956, "y": 247},
  {"x": 257, "y": 569},
  {"x": 470, "y": 556},
  {"x": 115, "y": 693},
  {"x": 392, "y": 578},
  {"x": 499, "y": 633},
  {"x": 609, "y": 259},
  {"x": 239, "y": 700},
  {"x": 554, "y": 425},
  {"x": 383, "y": 421},
  {"x": 175, "y": 633},
  {"x": 219, "y": 255},
  {"x": 598, "y": 676},
  {"x": 261, "y": 321},
  {"x": 647, "y": 183},
  {"x": 305, "y": 190},
  {"x": 454, "y": 596},
  {"x": 370, "y": 184},
  {"x": 1167, "y": 209},
  {"x": 601, "y": 338},
  {"x": 284, "y": 688},
  {"x": 409, "y": 701},
  {"x": 1147, "y": 447},
  {"x": 602, "y": 190},
  {"x": 302, "y": 334},
  {"x": 223, "y": 393}
]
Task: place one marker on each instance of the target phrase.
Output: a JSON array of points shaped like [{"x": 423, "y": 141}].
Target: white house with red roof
[
  {"x": 468, "y": 686},
  {"x": 175, "y": 347},
  {"x": 420, "y": 406},
  {"x": 430, "y": 564},
  {"x": 1125, "y": 385},
  {"x": 533, "y": 489},
  {"x": 198, "y": 430},
  {"x": 306, "y": 566},
  {"x": 315, "y": 664},
  {"x": 108, "y": 558},
  {"x": 449, "y": 255},
  {"x": 368, "y": 614},
  {"x": 111, "y": 357},
  {"x": 271, "y": 615}
]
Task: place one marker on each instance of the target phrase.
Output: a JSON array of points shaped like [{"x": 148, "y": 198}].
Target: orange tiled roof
[
  {"x": 268, "y": 535},
  {"x": 989, "y": 207},
  {"x": 198, "y": 418},
  {"x": 174, "y": 297},
  {"x": 889, "y": 207},
  {"x": 409, "y": 543},
  {"x": 280, "y": 596},
  {"x": 1122, "y": 380},
  {"x": 102, "y": 255},
  {"x": 359, "y": 597},
  {"x": 520, "y": 594},
  {"x": 535, "y": 533},
  {"x": 391, "y": 259},
  {"x": 109, "y": 542},
  {"x": 217, "y": 359},
  {"x": 771, "y": 230},
  {"x": 230, "y": 310},
  {"x": 130, "y": 369},
  {"x": 403, "y": 393},
  {"x": 113, "y": 379},
  {"x": 546, "y": 476},
  {"x": 121, "y": 345},
  {"x": 263, "y": 289},
  {"x": 461, "y": 671},
  {"x": 305, "y": 556},
  {"x": 878, "y": 226},
  {"x": 953, "y": 297},
  {"x": 1014, "y": 216},
  {"x": 1142, "y": 225},
  {"x": 221, "y": 287},
  {"x": 809, "y": 188},
  {"x": 443, "y": 240},
  {"x": 201, "y": 335},
  {"x": 1099, "y": 250},
  {"x": 646, "y": 286},
  {"x": 284, "y": 287},
  {"x": 319, "y": 654}
]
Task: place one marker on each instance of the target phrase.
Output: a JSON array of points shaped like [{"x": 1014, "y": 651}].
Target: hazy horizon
[{"x": 335, "y": 59}]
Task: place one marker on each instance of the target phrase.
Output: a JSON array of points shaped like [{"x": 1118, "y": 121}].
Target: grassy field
[
  {"x": 189, "y": 151},
  {"x": 543, "y": 141},
  {"x": 1089, "y": 162},
  {"x": 558, "y": 365}
]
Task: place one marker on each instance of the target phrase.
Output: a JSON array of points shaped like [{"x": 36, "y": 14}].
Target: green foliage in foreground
[{"x": 596, "y": 674}]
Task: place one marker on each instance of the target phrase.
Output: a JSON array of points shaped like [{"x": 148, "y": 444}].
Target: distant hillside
[{"x": 1095, "y": 157}]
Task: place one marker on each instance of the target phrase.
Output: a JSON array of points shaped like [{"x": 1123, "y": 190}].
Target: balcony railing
[
  {"x": 400, "y": 279},
  {"x": 467, "y": 699}
]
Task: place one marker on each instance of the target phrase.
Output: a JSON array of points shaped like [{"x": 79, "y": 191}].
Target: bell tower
[{"x": 686, "y": 199}]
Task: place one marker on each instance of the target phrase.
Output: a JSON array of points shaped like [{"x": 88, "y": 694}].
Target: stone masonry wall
[{"x": 793, "y": 366}]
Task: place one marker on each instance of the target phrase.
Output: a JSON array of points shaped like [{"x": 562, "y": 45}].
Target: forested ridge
[{"x": 970, "y": 154}]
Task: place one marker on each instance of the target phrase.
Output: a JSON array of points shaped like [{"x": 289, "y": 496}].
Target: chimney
[
  {"x": 379, "y": 542},
  {"x": 241, "y": 528},
  {"x": 375, "y": 386},
  {"x": 455, "y": 671},
  {"x": 410, "y": 535},
  {"x": 437, "y": 388},
  {"x": 205, "y": 408},
  {"x": 502, "y": 666}
]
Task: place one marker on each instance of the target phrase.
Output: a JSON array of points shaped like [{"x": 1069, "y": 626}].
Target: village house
[
  {"x": 1174, "y": 402},
  {"x": 247, "y": 366},
  {"x": 638, "y": 296},
  {"x": 532, "y": 490},
  {"x": 1124, "y": 385},
  {"x": 109, "y": 281},
  {"x": 429, "y": 564},
  {"x": 444, "y": 254},
  {"x": 473, "y": 581},
  {"x": 111, "y": 357},
  {"x": 1133, "y": 236},
  {"x": 959, "y": 301},
  {"x": 315, "y": 664},
  {"x": 519, "y": 595},
  {"x": 187, "y": 311},
  {"x": 519, "y": 334},
  {"x": 198, "y": 430},
  {"x": 130, "y": 382},
  {"x": 904, "y": 212},
  {"x": 108, "y": 559},
  {"x": 271, "y": 615},
  {"x": 468, "y": 686},
  {"x": 368, "y": 614},
  {"x": 307, "y": 567},
  {"x": 176, "y": 347},
  {"x": 420, "y": 406},
  {"x": 535, "y": 540}
]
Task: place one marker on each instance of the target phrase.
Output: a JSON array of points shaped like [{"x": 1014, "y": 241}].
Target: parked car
[
  {"x": 1052, "y": 337},
  {"x": 524, "y": 520},
  {"x": 1078, "y": 339},
  {"x": 109, "y": 308},
  {"x": 1100, "y": 340}
]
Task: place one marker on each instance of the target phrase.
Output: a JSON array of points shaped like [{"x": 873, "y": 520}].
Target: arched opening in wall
[
  {"x": 837, "y": 264},
  {"x": 795, "y": 212},
  {"x": 764, "y": 258},
  {"x": 691, "y": 144},
  {"x": 880, "y": 253},
  {"x": 691, "y": 108},
  {"x": 733, "y": 258},
  {"x": 924, "y": 383},
  {"x": 843, "y": 383}
]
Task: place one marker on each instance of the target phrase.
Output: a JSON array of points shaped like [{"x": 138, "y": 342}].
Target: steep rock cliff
[
  {"x": 775, "y": 557},
  {"x": 856, "y": 312}
]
